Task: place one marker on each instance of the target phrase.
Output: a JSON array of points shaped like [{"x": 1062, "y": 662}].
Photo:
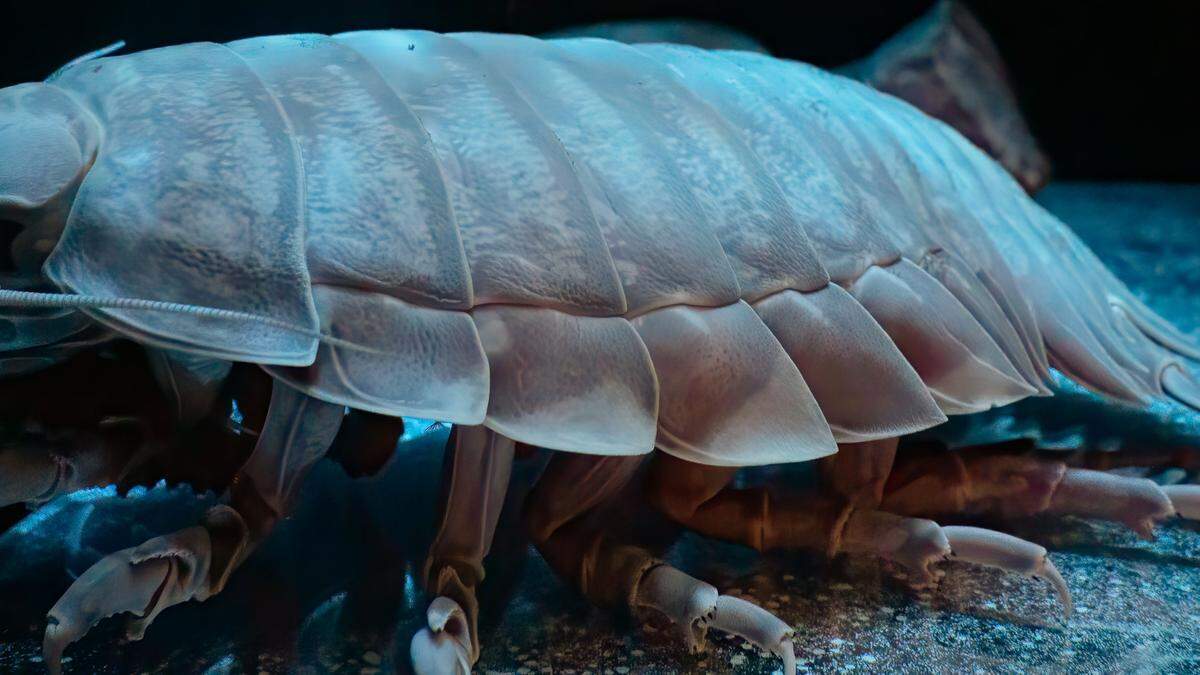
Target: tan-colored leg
[
  {"x": 566, "y": 517},
  {"x": 196, "y": 562},
  {"x": 996, "y": 481},
  {"x": 859, "y": 471},
  {"x": 36, "y": 470},
  {"x": 1005, "y": 481},
  {"x": 569, "y": 516},
  {"x": 476, "y": 472},
  {"x": 845, "y": 518},
  {"x": 829, "y": 521},
  {"x": 699, "y": 498}
]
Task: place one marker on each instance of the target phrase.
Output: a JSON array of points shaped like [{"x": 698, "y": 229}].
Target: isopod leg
[
  {"x": 477, "y": 468},
  {"x": 567, "y": 515},
  {"x": 195, "y": 563},
  {"x": 919, "y": 544},
  {"x": 1006, "y": 552},
  {"x": 574, "y": 517},
  {"x": 34, "y": 471},
  {"x": 994, "y": 481},
  {"x": 699, "y": 498}
]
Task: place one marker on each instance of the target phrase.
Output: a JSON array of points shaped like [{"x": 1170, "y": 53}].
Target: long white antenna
[{"x": 103, "y": 51}]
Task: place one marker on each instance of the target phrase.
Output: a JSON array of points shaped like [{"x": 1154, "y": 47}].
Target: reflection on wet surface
[{"x": 333, "y": 590}]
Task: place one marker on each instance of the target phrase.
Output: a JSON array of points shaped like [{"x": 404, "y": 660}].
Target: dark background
[{"x": 1109, "y": 89}]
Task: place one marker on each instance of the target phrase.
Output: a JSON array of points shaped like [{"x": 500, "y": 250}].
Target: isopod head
[{"x": 47, "y": 144}]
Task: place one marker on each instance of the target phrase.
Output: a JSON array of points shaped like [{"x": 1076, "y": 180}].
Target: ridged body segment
[
  {"x": 553, "y": 237},
  {"x": 378, "y": 217},
  {"x": 196, "y": 197},
  {"x": 529, "y": 234},
  {"x": 660, "y": 238}
]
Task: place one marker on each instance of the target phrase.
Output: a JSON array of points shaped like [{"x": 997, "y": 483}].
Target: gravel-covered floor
[{"x": 333, "y": 590}]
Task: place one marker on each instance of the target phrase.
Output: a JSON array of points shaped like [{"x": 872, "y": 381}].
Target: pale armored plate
[
  {"x": 888, "y": 181},
  {"x": 391, "y": 357},
  {"x": 221, "y": 225},
  {"x": 854, "y": 239},
  {"x": 528, "y": 232},
  {"x": 377, "y": 213},
  {"x": 955, "y": 227},
  {"x": 574, "y": 383},
  {"x": 939, "y": 338},
  {"x": 865, "y": 387},
  {"x": 30, "y": 184},
  {"x": 767, "y": 247},
  {"x": 1073, "y": 341},
  {"x": 817, "y": 99},
  {"x": 884, "y": 169},
  {"x": 730, "y": 394},
  {"x": 661, "y": 242}
]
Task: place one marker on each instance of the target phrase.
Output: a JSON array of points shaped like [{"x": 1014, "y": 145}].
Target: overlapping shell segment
[{"x": 585, "y": 245}]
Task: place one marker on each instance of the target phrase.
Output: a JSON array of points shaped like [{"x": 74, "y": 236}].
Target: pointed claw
[
  {"x": 687, "y": 601},
  {"x": 1050, "y": 573},
  {"x": 996, "y": 549},
  {"x": 916, "y": 544},
  {"x": 696, "y": 607},
  {"x": 1185, "y": 499},
  {"x": 1138, "y": 503},
  {"x": 142, "y": 581},
  {"x": 113, "y": 585},
  {"x": 444, "y": 614},
  {"x": 444, "y": 647},
  {"x": 1181, "y": 386},
  {"x": 751, "y": 622}
]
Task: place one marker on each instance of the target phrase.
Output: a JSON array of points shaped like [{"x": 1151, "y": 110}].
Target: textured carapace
[
  {"x": 576, "y": 244},
  {"x": 944, "y": 63},
  {"x": 728, "y": 252}
]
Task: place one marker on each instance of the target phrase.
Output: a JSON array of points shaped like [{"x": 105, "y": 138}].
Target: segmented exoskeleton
[
  {"x": 944, "y": 63},
  {"x": 580, "y": 245}
]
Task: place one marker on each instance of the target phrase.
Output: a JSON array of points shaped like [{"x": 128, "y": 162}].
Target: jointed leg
[
  {"x": 839, "y": 520},
  {"x": 988, "y": 480},
  {"x": 934, "y": 481},
  {"x": 566, "y": 515},
  {"x": 37, "y": 469},
  {"x": 574, "y": 516},
  {"x": 699, "y": 498},
  {"x": 477, "y": 468},
  {"x": 195, "y": 563},
  {"x": 845, "y": 518}
]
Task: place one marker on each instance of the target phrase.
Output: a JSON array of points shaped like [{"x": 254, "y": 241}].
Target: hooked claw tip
[
  {"x": 53, "y": 644},
  {"x": 443, "y": 613},
  {"x": 1050, "y": 573},
  {"x": 436, "y": 653},
  {"x": 1185, "y": 500}
]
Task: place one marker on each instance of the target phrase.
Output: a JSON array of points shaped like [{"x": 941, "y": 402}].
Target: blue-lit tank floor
[{"x": 333, "y": 590}]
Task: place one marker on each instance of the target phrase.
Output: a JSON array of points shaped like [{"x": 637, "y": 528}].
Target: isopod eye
[{"x": 39, "y": 159}]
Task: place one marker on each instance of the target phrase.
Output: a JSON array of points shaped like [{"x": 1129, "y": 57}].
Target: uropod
[{"x": 600, "y": 249}]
